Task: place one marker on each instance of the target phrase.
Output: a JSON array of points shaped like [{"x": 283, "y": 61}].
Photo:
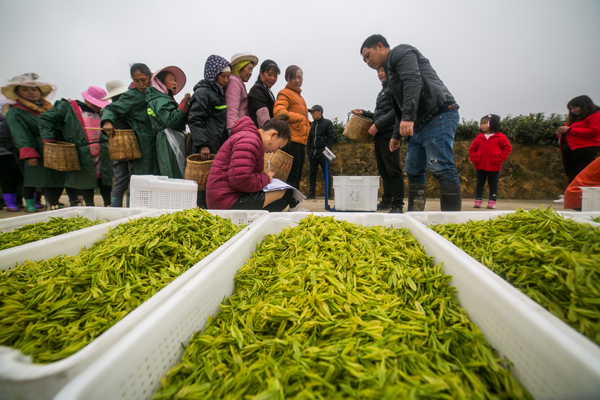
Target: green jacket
[
  {"x": 61, "y": 123},
  {"x": 132, "y": 108},
  {"x": 25, "y": 133},
  {"x": 164, "y": 114}
]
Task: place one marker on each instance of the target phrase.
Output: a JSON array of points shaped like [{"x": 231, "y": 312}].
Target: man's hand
[
  {"x": 204, "y": 153},
  {"x": 394, "y": 145},
  {"x": 109, "y": 128},
  {"x": 373, "y": 130},
  {"x": 271, "y": 175},
  {"x": 33, "y": 161},
  {"x": 357, "y": 111},
  {"x": 406, "y": 128}
]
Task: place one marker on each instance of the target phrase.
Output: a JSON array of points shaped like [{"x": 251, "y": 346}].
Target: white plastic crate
[
  {"x": 551, "y": 362},
  {"x": 583, "y": 216},
  {"x": 20, "y": 379},
  {"x": 161, "y": 192},
  {"x": 356, "y": 193},
  {"x": 590, "y": 199},
  {"x": 67, "y": 243}
]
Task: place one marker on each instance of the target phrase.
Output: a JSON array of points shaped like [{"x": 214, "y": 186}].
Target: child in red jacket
[{"x": 487, "y": 152}]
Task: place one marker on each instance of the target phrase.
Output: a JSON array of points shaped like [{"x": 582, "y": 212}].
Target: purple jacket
[
  {"x": 237, "y": 167},
  {"x": 236, "y": 99}
]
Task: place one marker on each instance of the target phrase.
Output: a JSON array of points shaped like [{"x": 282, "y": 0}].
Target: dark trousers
[
  {"x": 297, "y": 151},
  {"x": 314, "y": 169},
  {"x": 122, "y": 170},
  {"x": 388, "y": 165},
  {"x": 492, "y": 179},
  {"x": 10, "y": 175},
  {"x": 575, "y": 161}
]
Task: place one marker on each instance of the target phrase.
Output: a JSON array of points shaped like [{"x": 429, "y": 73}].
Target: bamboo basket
[
  {"x": 281, "y": 164},
  {"x": 357, "y": 127},
  {"x": 197, "y": 170},
  {"x": 61, "y": 156},
  {"x": 123, "y": 146}
]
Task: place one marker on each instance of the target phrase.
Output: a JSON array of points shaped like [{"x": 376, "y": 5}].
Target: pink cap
[{"x": 94, "y": 95}]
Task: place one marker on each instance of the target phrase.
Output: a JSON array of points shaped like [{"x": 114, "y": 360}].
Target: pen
[{"x": 268, "y": 166}]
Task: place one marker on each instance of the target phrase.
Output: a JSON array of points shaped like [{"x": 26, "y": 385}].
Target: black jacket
[
  {"x": 415, "y": 86},
  {"x": 207, "y": 119},
  {"x": 6, "y": 141},
  {"x": 321, "y": 135},
  {"x": 259, "y": 97},
  {"x": 384, "y": 117}
]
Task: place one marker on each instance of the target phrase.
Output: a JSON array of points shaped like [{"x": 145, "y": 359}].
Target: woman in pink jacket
[
  {"x": 487, "y": 152},
  {"x": 236, "y": 96},
  {"x": 236, "y": 177}
]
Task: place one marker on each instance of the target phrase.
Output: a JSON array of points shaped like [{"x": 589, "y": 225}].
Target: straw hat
[
  {"x": 4, "y": 108},
  {"x": 29, "y": 79},
  {"x": 179, "y": 76},
  {"x": 246, "y": 56},
  {"x": 115, "y": 88},
  {"x": 94, "y": 95}
]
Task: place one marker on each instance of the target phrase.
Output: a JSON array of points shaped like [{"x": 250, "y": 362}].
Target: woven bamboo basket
[
  {"x": 197, "y": 170},
  {"x": 123, "y": 146},
  {"x": 281, "y": 164},
  {"x": 357, "y": 127},
  {"x": 61, "y": 156}
]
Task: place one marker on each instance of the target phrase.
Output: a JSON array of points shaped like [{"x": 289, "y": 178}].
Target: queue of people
[
  {"x": 236, "y": 127},
  {"x": 220, "y": 113}
]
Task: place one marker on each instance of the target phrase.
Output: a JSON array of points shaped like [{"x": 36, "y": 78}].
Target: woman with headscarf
[
  {"x": 236, "y": 96},
  {"x": 208, "y": 113},
  {"x": 260, "y": 98},
  {"x": 78, "y": 122},
  {"x": 29, "y": 94},
  {"x": 168, "y": 119},
  {"x": 133, "y": 109},
  {"x": 290, "y": 102}
]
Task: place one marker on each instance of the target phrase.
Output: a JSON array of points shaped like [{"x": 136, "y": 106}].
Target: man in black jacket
[
  {"x": 388, "y": 161},
  {"x": 320, "y": 136},
  {"x": 426, "y": 112}
]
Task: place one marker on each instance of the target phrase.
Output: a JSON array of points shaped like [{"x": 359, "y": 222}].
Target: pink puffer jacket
[{"x": 237, "y": 167}]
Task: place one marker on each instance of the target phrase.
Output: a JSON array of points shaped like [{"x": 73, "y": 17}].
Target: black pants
[
  {"x": 314, "y": 169},
  {"x": 88, "y": 194},
  {"x": 297, "y": 151},
  {"x": 10, "y": 175},
  {"x": 575, "y": 161},
  {"x": 492, "y": 178},
  {"x": 388, "y": 165},
  {"x": 255, "y": 201}
]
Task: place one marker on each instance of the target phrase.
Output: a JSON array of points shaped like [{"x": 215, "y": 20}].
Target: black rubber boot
[
  {"x": 417, "y": 196},
  {"x": 450, "y": 198}
]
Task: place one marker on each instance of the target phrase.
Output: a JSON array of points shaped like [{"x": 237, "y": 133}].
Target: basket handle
[{"x": 349, "y": 115}]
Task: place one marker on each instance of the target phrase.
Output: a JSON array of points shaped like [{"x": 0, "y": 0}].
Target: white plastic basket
[
  {"x": 590, "y": 199},
  {"x": 356, "y": 193},
  {"x": 67, "y": 243},
  {"x": 583, "y": 216},
  {"x": 19, "y": 379},
  {"x": 161, "y": 192},
  {"x": 551, "y": 362}
]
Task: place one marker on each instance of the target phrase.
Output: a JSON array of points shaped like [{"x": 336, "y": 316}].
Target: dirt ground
[{"x": 432, "y": 204}]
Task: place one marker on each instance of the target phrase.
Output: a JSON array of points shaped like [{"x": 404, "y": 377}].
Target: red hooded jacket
[
  {"x": 237, "y": 167},
  {"x": 488, "y": 154},
  {"x": 584, "y": 133}
]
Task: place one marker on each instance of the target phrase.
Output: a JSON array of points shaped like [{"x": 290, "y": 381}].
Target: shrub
[
  {"x": 338, "y": 132},
  {"x": 527, "y": 129}
]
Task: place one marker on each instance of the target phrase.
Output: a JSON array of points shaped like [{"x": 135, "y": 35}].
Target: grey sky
[{"x": 504, "y": 57}]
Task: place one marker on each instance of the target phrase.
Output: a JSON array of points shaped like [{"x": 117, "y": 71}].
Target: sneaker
[
  {"x": 298, "y": 208},
  {"x": 396, "y": 210},
  {"x": 477, "y": 204},
  {"x": 310, "y": 196},
  {"x": 491, "y": 204},
  {"x": 384, "y": 205},
  {"x": 561, "y": 199}
]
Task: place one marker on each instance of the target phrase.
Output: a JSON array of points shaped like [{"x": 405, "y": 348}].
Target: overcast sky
[{"x": 503, "y": 57}]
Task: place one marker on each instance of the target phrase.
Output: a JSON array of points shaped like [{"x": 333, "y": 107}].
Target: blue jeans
[{"x": 431, "y": 148}]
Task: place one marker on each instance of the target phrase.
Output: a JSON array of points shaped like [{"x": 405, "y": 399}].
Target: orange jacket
[
  {"x": 589, "y": 177},
  {"x": 290, "y": 102}
]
